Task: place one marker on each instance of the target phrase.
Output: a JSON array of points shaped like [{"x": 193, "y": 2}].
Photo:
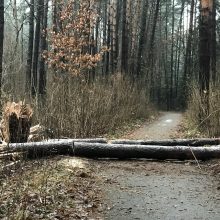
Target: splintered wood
[
  {"x": 16, "y": 122},
  {"x": 207, "y": 4}
]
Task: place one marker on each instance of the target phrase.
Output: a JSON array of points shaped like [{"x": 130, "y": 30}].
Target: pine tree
[{"x": 1, "y": 40}]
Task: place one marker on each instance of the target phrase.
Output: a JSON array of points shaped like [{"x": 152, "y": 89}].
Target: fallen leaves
[{"x": 49, "y": 190}]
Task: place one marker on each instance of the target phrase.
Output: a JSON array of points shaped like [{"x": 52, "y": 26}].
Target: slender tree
[
  {"x": 142, "y": 37},
  {"x": 34, "y": 84},
  {"x": 124, "y": 46},
  {"x": 1, "y": 40},
  {"x": 188, "y": 55},
  {"x": 43, "y": 47},
  {"x": 30, "y": 47},
  {"x": 213, "y": 44},
  {"x": 150, "y": 59}
]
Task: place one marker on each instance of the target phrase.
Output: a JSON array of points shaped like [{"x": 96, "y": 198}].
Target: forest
[
  {"x": 109, "y": 109},
  {"x": 88, "y": 66}
]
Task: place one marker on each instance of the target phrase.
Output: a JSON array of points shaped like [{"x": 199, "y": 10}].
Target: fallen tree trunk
[
  {"x": 171, "y": 142},
  {"x": 97, "y": 150},
  {"x": 56, "y": 143},
  {"x": 44, "y": 148},
  {"x": 145, "y": 151},
  {"x": 87, "y": 140},
  {"x": 50, "y": 147}
]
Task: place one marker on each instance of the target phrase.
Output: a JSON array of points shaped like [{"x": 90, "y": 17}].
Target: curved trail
[
  {"x": 159, "y": 190},
  {"x": 162, "y": 128}
]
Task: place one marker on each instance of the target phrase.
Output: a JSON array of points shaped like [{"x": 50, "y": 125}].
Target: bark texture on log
[
  {"x": 46, "y": 148},
  {"x": 120, "y": 151},
  {"x": 87, "y": 140},
  {"x": 50, "y": 147},
  {"x": 145, "y": 151},
  {"x": 171, "y": 142}
]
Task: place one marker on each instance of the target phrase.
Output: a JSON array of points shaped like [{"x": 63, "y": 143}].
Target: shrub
[
  {"x": 207, "y": 124},
  {"x": 76, "y": 108}
]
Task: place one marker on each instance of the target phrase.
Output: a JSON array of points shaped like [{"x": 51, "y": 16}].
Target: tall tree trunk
[
  {"x": 205, "y": 52},
  {"x": 36, "y": 47},
  {"x": 108, "y": 38},
  {"x": 179, "y": 52},
  {"x": 2, "y": 22},
  {"x": 42, "y": 70},
  {"x": 55, "y": 15},
  {"x": 105, "y": 22},
  {"x": 124, "y": 55},
  {"x": 142, "y": 37},
  {"x": 172, "y": 56},
  {"x": 113, "y": 58},
  {"x": 213, "y": 45},
  {"x": 30, "y": 48},
  {"x": 117, "y": 30},
  {"x": 150, "y": 59},
  {"x": 188, "y": 55},
  {"x": 166, "y": 60}
]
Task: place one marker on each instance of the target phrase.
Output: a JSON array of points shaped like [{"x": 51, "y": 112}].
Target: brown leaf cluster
[{"x": 71, "y": 44}]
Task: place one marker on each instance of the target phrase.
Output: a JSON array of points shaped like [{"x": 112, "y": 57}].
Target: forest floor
[{"x": 78, "y": 188}]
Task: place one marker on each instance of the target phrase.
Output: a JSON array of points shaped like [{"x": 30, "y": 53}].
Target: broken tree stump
[{"x": 16, "y": 122}]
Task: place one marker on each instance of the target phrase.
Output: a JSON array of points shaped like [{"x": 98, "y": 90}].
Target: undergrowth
[
  {"x": 77, "y": 108},
  {"x": 73, "y": 107},
  {"x": 208, "y": 124},
  {"x": 50, "y": 189}
]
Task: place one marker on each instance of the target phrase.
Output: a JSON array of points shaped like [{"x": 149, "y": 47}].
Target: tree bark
[
  {"x": 30, "y": 48},
  {"x": 205, "y": 30},
  {"x": 188, "y": 56},
  {"x": 214, "y": 76},
  {"x": 124, "y": 49},
  {"x": 172, "y": 56},
  {"x": 56, "y": 142},
  {"x": 172, "y": 142},
  {"x": 152, "y": 42},
  {"x": 145, "y": 151},
  {"x": 2, "y": 22},
  {"x": 120, "y": 151},
  {"x": 42, "y": 70},
  {"x": 142, "y": 37},
  {"x": 50, "y": 147},
  {"x": 36, "y": 48},
  {"x": 19, "y": 128}
]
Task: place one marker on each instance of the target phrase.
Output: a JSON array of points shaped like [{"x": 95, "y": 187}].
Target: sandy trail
[
  {"x": 159, "y": 190},
  {"x": 162, "y": 128}
]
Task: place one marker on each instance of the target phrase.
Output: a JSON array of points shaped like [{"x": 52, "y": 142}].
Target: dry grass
[
  {"x": 208, "y": 125},
  {"x": 54, "y": 189},
  {"x": 75, "y": 108}
]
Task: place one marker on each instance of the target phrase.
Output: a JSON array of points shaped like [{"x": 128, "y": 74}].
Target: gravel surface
[
  {"x": 162, "y": 128},
  {"x": 159, "y": 190}
]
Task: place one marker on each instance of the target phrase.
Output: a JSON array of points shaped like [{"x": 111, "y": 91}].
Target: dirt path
[
  {"x": 160, "y": 129},
  {"x": 159, "y": 190}
]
